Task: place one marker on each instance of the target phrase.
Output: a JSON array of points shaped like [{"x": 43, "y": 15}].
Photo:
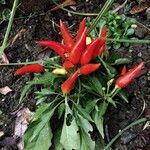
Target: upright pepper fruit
[
  {"x": 78, "y": 48},
  {"x": 87, "y": 55},
  {"x": 81, "y": 29},
  {"x": 34, "y": 68},
  {"x": 128, "y": 77},
  {"x": 68, "y": 40}
]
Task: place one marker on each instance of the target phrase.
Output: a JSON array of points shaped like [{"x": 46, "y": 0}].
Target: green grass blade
[
  {"x": 9, "y": 27},
  {"x": 101, "y": 13}
]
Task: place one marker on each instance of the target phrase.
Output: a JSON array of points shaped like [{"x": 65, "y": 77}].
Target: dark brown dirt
[{"x": 25, "y": 48}]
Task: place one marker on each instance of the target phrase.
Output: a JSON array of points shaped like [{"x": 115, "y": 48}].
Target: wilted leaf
[
  {"x": 18, "y": 35},
  {"x": 24, "y": 116},
  {"x": 4, "y": 59},
  {"x": 141, "y": 7},
  {"x": 64, "y": 4},
  {"x": 5, "y": 90}
]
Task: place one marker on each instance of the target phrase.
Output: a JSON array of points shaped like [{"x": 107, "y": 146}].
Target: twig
[
  {"x": 64, "y": 4},
  {"x": 120, "y": 7}
]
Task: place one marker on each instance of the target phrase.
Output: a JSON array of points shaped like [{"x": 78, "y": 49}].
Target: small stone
[
  {"x": 140, "y": 54},
  {"x": 1, "y": 133}
]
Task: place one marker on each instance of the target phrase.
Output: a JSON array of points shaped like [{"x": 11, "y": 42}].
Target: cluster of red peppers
[{"x": 75, "y": 52}]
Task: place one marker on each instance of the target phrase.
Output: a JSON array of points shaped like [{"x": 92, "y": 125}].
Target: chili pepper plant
[{"x": 76, "y": 88}]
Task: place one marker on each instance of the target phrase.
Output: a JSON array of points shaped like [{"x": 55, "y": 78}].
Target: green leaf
[
  {"x": 98, "y": 117},
  {"x": 90, "y": 105},
  {"x": 83, "y": 112},
  {"x": 38, "y": 129},
  {"x": 121, "y": 61},
  {"x": 116, "y": 45},
  {"x": 130, "y": 32},
  {"x": 43, "y": 120},
  {"x": 85, "y": 127},
  {"x": 2, "y": 1},
  {"x": 45, "y": 79},
  {"x": 6, "y": 14},
  {"x": 40, "y": 111},
  {"x": 95, "y": 85},
  {"x": 42, "y": 140},
  {"x": 61, "y": 109},
  {"x": 58, "y": 145},
  {"x": 70, "y": 138}
]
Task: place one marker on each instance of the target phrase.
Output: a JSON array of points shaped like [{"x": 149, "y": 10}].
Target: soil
[{"x": 40, "y": 26}]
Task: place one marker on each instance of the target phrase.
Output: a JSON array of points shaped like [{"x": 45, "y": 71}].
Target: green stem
[
  {"x": 9, "y": 27},
  {"x": 127, "y": 41},
  {"x": 142, "y": 120},
  {"x": 101, "y": 13}
]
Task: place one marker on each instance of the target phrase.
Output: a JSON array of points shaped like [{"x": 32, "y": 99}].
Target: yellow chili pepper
[{"x": 61, "y": 71}]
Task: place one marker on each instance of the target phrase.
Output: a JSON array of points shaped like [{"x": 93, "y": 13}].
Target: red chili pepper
[
  {"x": 102, "y": 44},
  {"x": 88, "y": 68},
  {"x": 78, "y": 48},
  {"x": 87, "y": 55},
  {"x": 103, "y": 33},
  {"x": 124, "y": 70},
  {"x": 68, "y": 40},
  {"x": 81, "y": 28},
  {"x": 101, "y": 49},
  {"x": 34, "y": 68},
  {"x": 127, "y": 78},
  {"x": 68, "y": 65},
  {"x": 57, "y": 47},
  {"x": 67, "y": 86}
]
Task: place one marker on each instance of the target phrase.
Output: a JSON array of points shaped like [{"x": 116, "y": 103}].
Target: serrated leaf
[
  {"x": 85, "y": 127},
  {"x": 70, "y": 138}
]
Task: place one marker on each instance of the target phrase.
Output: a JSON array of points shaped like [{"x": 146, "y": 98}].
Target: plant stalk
[
  {"x": 2, "y": 48},
  {"x": 142, "y": 120}
]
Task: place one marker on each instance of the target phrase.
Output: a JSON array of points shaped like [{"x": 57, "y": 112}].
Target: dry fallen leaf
[
  {"x": 5, "y": 90},
  {"x": 24, "y": 117},
  {"x": 4, "y": 59},
  {"x": 17, "y": 36},
  {"x": 64, "y": 4},
  {"x": 141, "y": 7}
]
